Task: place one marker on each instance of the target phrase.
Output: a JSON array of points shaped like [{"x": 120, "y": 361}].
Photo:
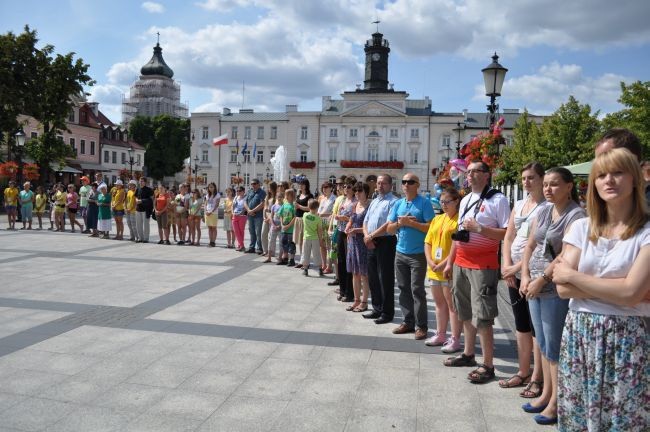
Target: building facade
[
  {"x": 155, "y": 92},
  {"x": 368, "y": 131}
]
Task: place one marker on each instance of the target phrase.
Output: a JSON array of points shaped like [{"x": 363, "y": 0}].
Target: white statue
[{"x": 279, "y": 162}]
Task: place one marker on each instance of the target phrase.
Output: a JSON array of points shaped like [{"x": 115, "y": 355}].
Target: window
[
  {"x": 260, "y": 156},
  {"x": 59, "y": 137},
  {"x": 106, "y": 157},
  {"x": 83, "y": 147},
  {"x": 114, "y": 157},
  {"x": 446, "y": 141},
  {"x": 92, "y": 148},
  {"x": 392, "y": 154},
  {"x": 274, "y": 132},
  {"x": 247, "y": 132},
  {"x": 123, "y": 158},
  {"x": 34, "y": 135},
  {"x": 71, "y": 116},
  {"x": 260, "y": 132},
  {"x": 303, "y": 155},
  {"x": 247, "y": 178},
  {"x": 204, "y": 156},
  {"x": 352, "y": 153},
  {"x": 72, "y": 143},
  {"x": 272, "y": 154},
  {"x": 332, "y": 156},
  {"x": 373, "y": 154},
  {"x": 247, "y": 156},
  {"x": 303, "y": 132},
  {"x": 415, "y": 133},
  {"x": 205, "y": 132},
  {"x": 334, "y": 133},
  {"x": 233, "y": 154},
  {"x": 137, "y": 159},
  {"x": 414, "y": 156},
  {"x": 353, "y": 133},
  {"x": 114, "y": 179},
  {"x": 233, "y": 132},
  {"x": 332, "y": 180},
  {"x": 393, "y": 133}
]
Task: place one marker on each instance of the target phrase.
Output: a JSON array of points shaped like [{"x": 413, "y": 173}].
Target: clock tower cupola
[{"x": 376, "y": 79}]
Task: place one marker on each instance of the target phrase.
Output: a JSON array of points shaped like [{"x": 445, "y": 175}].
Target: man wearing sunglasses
[
  {"x": 409, "y": 218},
  {"x": 482, "y": 223}
]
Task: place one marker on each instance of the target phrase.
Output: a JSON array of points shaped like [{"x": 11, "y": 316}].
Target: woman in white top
[
  {"x": 514, "y": 242},
  {"x": 604, "y": 374}
]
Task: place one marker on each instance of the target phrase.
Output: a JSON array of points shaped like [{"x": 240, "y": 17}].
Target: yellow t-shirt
[
  {"x": 130, "y": 201},
  {"x": 227, "y": 206},
  {"x": 118, "y": 199},
  {"x": 11, "y": 196},
  {"x": 59, "y": 201},
  {"x": 41, "y": 201},
  {"x": 439, "y": 237}
]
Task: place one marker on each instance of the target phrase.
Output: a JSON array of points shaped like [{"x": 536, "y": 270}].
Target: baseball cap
[
  {"x": 255, "y": 181},
  {"x": 133, "y": 182},
  {"x": 119, "y": 182}
]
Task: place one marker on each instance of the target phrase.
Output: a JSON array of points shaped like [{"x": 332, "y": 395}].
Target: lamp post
[
  {"x": 20, "y": 145},
  {"x": 459, "y": 129},
  {"x": 268, "y": 172},
  {"x": 238, "y": 171},
  {"x": 195, "y": 170},
  {"x": 493, "y": 76},
  {"x": 131, "y": 161}
]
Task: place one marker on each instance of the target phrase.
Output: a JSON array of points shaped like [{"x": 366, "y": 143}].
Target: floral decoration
[
  {"x": 9, "y": 169},
  {"x": 306, "y": 165},
  {"x": 31, "y": 171},
  {"x": 372, "y": 164}
]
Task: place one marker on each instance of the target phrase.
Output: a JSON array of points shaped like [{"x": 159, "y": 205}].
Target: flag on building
[
  {"x": 243, "y": 150},
  {"x": 237, "y": 147},
  {"x": 255, "y": 150},
  {"x": 220, "y": 140}
]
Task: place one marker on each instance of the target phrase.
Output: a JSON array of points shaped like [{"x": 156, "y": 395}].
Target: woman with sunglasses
[
  {"x": 346, "y": 293},
  {"x": 357, "y": 256},
  {"x": 514, "y": 242},
  {"x": 437, "y": 245}
]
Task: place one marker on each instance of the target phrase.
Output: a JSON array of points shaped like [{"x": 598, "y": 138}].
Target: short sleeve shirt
[
  {"x": 11, "y": 195},
  {"x": 311, "y": 222},
  {"x": 83, "y": 195},
  {"x": 26, "y": 198},
  {"x": 439, "y": 237},
  {"x": 411, "y": 240},
  {"x": 286, "y": 213}
]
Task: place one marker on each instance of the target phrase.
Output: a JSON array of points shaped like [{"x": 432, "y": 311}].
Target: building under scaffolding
[{"x": 155, "y": 92}]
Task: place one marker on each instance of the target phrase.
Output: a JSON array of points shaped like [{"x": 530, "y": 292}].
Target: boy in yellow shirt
[{"x": 11, "y": 204}]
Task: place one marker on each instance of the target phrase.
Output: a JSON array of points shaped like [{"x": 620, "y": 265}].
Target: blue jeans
[
  {"x": 255, "y": 231},
  {"x": 548, "y": 315}
]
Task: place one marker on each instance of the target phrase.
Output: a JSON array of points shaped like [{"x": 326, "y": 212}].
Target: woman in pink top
[{"x": 72, "y": 205}]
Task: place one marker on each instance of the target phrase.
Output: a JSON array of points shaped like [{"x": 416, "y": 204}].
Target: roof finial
[
  {"x": 376, "y": 21},
  {"x": 158, "y": 41}
]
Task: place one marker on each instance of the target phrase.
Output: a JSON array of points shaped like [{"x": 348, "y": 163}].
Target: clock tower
[{"x": 376, "y": 79}]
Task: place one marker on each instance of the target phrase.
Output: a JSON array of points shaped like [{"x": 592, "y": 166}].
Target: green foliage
[
  {"x": 527, "y": 139},
  {"x": 166, "y": 141},
  {"x": 39, "y": 84},
  {"x": 636, "y": 114}
]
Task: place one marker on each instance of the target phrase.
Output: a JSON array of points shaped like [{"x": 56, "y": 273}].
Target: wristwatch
[
  {"x": 479, "y": 229},
  {"x": 547, "y": 278}
]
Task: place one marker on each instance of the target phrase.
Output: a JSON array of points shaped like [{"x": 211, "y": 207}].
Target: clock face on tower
[{"x": 376, "y": 57}]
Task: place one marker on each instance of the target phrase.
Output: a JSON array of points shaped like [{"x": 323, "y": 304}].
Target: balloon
[
  {"x": 435, "y": 202},
  {"x": 459, "y": 164}
]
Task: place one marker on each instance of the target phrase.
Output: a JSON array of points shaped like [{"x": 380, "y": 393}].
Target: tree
[
  {"x": 41, "y": 85},
  {"x": 526, "y": 142},
  {"x": 166, "y": 141},
  {"x": 636, "y": 114}
]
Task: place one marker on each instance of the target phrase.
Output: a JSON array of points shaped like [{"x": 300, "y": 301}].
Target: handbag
[{"x": 335, "y": 236}]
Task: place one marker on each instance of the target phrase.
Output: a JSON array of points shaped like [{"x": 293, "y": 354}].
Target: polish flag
[{"x": 220, "y": 140}]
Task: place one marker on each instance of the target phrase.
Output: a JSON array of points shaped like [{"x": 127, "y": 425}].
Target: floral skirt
[{"x": 604, "y": 373}]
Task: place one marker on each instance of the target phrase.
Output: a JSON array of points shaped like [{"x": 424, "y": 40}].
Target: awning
[
  {"x": 582, "y": 169},
  {"x": 90, "y": 166},
  {"x": 64, "y": 168}
]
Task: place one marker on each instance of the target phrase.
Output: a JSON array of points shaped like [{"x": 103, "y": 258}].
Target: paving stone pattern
[{"x": 99, "y": 335}]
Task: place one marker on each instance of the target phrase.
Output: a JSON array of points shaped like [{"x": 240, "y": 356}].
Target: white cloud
[
  {"x": 551, "y": 86},
  {"x": 224, "y": 5},
  {"x": 153, "y": 7}
]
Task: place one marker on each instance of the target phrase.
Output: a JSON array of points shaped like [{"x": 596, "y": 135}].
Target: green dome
[{"x": 157, "y": 65}]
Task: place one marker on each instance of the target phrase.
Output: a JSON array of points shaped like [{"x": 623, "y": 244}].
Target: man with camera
[
  {"x": 474, "y": 254},
  {"x": 410, "y": 218}
]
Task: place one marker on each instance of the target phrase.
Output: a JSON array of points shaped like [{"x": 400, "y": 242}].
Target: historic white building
[{"x": 369, "y": 131}]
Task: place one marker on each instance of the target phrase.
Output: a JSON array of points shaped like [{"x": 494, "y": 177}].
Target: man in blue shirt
[
  {"x": 381, "y": 252},
  {"x": 254, "y": 205},
  {"x": 410, "y": 219}
]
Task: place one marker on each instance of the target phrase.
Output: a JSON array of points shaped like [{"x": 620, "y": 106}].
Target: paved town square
[{"x": 103, "y": 335}]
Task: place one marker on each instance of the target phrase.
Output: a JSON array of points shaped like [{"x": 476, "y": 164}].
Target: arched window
[{"x": 332, "y": 179}]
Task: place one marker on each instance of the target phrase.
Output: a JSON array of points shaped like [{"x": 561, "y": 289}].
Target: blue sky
[{"x": 296, "y": 51}]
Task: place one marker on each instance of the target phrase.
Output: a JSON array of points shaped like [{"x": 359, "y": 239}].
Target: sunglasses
[
  {"x": 409, "y": 182},
  {"x": 474, "y": 171}
]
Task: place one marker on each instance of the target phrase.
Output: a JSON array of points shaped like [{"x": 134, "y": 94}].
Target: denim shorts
[{"x": 548, "y": 315}]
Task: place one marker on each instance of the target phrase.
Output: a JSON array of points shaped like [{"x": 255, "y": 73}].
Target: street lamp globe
[
  {"x": 130, "y": 151},
  {"x": 493, "y": 77},
  {"x": 20, "y": 138}
]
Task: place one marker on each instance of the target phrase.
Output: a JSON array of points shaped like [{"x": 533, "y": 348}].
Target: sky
[{"x": 297, "y": 51}]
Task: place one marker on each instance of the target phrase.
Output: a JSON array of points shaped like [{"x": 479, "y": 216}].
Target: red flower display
[
  {"x": 302, "y": 165},
  {"x": 372, "y": 164},
  {"x": 30, "y": 171},
  {"x": 9, "y": 169}
]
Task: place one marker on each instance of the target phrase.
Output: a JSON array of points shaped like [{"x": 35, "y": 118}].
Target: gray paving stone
[
  {"x": 160, "y": 423},
  {"x": 27, "y": 382},
  {"x": 284, "y": 389},
  {"x": 95, "y": 419},
  {"x": 35, "y": 414},
  {"x": 76, "y": 390},
  {"x": 187, "y": 403},
  {"x": 7, "y": 400},
  {"x": 311, "y": 416},
  {"x": 251, "y": 409},
  {"x": 132, "y": 397},
  {"x": 213, "y": 381},
  {"x": 363, "y": 420}
]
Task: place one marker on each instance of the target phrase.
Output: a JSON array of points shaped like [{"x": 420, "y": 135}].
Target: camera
[{"x": 461, "y": 236}]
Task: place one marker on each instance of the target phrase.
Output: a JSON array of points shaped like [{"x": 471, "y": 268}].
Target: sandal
[
  {"x": 481, "y": 374},
  {"x": 353, "y": 306},
  {"x": 460, "y": 360},
  {"x": 361, "y": 308},
  {"x": 514, "y": 381},
  {"x": 529, "y": 393}
]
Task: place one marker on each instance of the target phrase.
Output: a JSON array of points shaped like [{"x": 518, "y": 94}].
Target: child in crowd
[
  {"x": 129, "y": 209},
  {"x": 287, "y": 215},
  {"x": 194, "y": 217},
  {"x": 312, "y": 238},
  {"x": 227, "y": 218},
  {"x": 59, "y": 208},
  {"x": 41, "y": 203},
  {"x": 117, "y": 207},
  {"x": 274, "y": 232}
]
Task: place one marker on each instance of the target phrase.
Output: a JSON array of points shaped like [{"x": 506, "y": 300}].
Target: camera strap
[{"x": 476, "y": 203}]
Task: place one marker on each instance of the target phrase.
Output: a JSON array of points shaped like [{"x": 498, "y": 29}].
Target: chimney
[
  {"x": 95, "y": 107},
  {"x": 225, "y": 111},
  {"x": 291, "y": 108}
]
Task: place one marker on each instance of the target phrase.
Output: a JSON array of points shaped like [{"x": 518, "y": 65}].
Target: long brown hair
[{"x": 618, "y": 159}]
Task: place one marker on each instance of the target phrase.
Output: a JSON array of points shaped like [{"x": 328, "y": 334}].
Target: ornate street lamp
[
  {"x": 493, "y": 76},
  {"x": 459, "y": 141},
  {"x": 268, "y": 172},
  {"x": 195, "y": 171},
  {"x": 20, "y": 145},
  {"x": 130, "y": 161}
]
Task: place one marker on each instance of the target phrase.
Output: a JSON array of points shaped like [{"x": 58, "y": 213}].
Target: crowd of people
[{"x": 578, "y": 279}]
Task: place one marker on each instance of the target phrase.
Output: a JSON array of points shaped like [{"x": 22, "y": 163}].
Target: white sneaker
[{"x": 451, "y": 346}]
